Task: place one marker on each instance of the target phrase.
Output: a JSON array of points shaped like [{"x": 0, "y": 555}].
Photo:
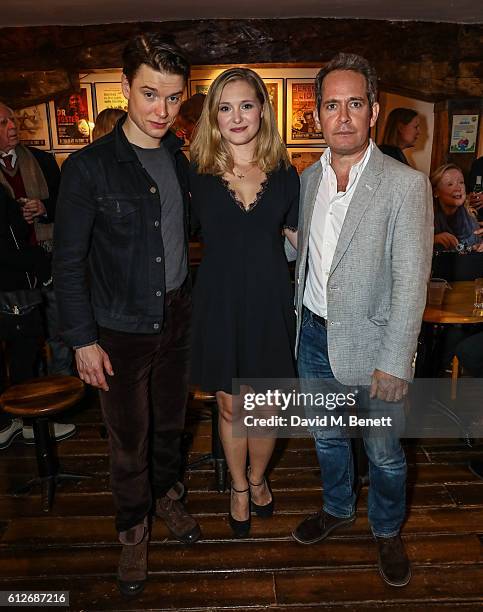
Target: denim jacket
[{"x": 108, "y": 256}]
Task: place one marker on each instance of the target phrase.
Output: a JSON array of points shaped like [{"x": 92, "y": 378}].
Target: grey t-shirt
[{"x": 159, "y": 165}]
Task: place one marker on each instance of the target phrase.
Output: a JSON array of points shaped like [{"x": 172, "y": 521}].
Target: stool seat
[
  {"x": 37, "y": 400},
  {"x": 42, "y": 396}
]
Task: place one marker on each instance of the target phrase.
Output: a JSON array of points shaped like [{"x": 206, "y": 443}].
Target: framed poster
[
  {"x": 464, "y": 132},
  {"x": 275, "y": 94},
  {"x": 33, "y": 126},
  {"x": 72, "y": 118},
  {"x": 300, "y": 113},
  {"x": 109, "y": 95},
  {"x": 302, "y": 158},
  {"x": 200, "y": 86}
]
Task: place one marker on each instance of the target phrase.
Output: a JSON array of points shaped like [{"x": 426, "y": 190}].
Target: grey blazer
[{"x": 376, "y": 291}]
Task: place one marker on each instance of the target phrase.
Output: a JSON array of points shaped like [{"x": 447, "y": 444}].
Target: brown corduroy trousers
[{"x": 144, "y": 409}]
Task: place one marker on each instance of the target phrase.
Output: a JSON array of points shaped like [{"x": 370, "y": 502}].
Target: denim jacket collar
[{"x": 125, "y": 152}]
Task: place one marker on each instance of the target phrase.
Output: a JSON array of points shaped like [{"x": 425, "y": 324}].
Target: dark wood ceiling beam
[{"x": 438, "y": 60}]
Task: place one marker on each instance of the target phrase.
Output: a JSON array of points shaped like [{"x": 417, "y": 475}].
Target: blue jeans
[{"x": 387, "y": 463}]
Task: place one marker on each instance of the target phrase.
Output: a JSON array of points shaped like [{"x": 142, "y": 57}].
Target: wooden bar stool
[
  {"x": 217, "y": 456},
  {"x": 37, "y": 400}
]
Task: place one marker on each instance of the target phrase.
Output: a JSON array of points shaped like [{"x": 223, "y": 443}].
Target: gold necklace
[{"x": 239, "y": 175}]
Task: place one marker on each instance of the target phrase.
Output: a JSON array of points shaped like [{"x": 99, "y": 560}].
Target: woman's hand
[
  {"x": 478, "y": 248},
  {"x": 292, "y": 236},
  {"x": 446, "y": 240}
]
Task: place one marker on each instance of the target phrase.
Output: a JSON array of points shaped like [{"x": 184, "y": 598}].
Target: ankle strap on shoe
[
  {"x": 253, "y": 484},
  {"x": 256, "y": 484}
]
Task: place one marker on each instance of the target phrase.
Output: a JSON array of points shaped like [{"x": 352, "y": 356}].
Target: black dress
[
  {"x": 394, "y": 152},
  {"x": 243, "y": 318}
]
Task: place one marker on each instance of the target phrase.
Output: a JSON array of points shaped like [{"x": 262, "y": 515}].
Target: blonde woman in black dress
[{"x": 245, "y": 196}]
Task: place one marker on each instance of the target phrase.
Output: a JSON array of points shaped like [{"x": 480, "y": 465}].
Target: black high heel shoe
[
  {"x": 266, "y": 510},
  {"x": 240, "y": 528}
]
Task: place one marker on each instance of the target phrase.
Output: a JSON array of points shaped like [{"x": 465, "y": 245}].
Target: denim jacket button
[{"x": 152, "y": 189}]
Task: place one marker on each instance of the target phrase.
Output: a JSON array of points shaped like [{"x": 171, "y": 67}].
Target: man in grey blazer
[{"x": 364, "y": 256}]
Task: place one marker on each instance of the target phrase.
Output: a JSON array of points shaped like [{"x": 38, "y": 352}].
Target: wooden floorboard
[
  {"x": 350, "y": 586},
  {"x": 286, "y": 480},
  {"x": 236, "y": 557},
  {"x": 75, "y": 547}
]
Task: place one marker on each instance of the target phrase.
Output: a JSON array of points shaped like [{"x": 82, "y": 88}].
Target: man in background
[{"x": 30, "y": 178}]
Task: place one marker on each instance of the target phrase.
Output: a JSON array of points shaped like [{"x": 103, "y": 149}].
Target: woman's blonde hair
[
  {"x": 105, "y": 122},
  {"x": 437, "y": 175},
  {"x": 211, "y": 152}
]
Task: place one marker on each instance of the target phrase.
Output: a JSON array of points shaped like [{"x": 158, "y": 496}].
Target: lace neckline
[{"x": 233, "y": 194}]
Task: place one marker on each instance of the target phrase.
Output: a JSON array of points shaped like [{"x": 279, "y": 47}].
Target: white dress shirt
[
  {"x": 14, "y": 158},
  {"x": 327, "y": 219}
]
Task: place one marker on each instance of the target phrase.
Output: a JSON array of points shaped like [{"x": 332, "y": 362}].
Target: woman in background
[
  {"x": 105, "y": 122},
  {"x": 454, "y": 221},
  {"x": 401, "y": 132},
  {"x": 245, "y": 196},
  {"x": 188, "y": 116}
]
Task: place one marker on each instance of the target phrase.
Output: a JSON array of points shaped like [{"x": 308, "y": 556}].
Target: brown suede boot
[
  {"x": 394, "y": 565},
  {"x": 133, "y": 564},
  {"x": 181, "y": 524}
]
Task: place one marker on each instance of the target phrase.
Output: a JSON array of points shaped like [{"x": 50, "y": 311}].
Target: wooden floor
[{"x": 75, "y": 547}]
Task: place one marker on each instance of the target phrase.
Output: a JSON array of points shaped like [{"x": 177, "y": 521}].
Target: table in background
[{"x": 457, "y": 309}]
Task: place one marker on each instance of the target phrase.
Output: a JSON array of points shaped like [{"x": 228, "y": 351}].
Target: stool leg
[
  {"x": 217, "y": 451},
  {"x": 25, "y": 488},
  {"x": 47, "y": 463},
  {"x": 46, "y": 460},
  {"x": 47, "y": 490}
]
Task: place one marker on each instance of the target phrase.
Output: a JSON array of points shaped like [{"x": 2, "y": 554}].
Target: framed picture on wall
[
  {"x": 109, "y": 95},
  {"x": 301, "y": 158},
  {"x": 275, "y": 93},
  {"x": 464, "y": 133},
  {"x": 72, "y": 118},
  {"x": 301, "y": 126},
  {"x": 33, "y": 126},
  {"x": 200, "y": 86}
]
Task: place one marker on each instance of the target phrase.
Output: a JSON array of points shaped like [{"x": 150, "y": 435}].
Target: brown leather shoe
[
  {"x": 181, "y": 524},
  {"x": 317, "y": 527},
  {"x": 394, "y": 564},
  {"x": 133, "y": 564}
]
